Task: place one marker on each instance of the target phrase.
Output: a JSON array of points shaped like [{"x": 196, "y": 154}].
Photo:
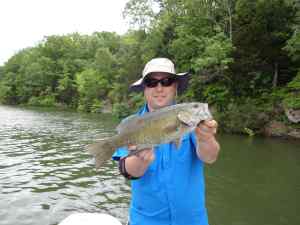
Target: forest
[{"x": 244, "y": 59}]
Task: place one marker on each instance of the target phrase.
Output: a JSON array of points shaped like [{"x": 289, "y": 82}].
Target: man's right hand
[{"x": 137, "y": 164}]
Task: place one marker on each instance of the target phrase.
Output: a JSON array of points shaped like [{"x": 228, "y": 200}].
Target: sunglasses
[{"x": 166, "y": 82}]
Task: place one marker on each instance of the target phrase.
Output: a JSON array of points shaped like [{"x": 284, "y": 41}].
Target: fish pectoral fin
[
  {"x": 184, "y": 117},
  {"x": 177, "y": 142},
  {"x": 181, "y": 130},
  {"x": 141, "y": 147}
]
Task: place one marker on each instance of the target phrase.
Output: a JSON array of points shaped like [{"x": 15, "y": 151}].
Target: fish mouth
[
  {"x": 198, "y": 123},
  {"x": 189, "y": 123},
  {"x": 195, "y": 122}
]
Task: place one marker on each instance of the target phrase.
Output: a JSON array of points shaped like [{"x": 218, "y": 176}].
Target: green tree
[
  {"x": 261, "y": 29},
  {"x": 92, "y": 87},
  {"x": 139, "y": 13}
]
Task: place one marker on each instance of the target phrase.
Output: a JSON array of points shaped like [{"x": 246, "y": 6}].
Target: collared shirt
[{"x": 172, "y": 190}]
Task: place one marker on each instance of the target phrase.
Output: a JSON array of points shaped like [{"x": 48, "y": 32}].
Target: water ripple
[{"x": 45, "y": 172}]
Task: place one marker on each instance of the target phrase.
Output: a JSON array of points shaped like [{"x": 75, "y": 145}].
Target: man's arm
[{"x": 207, "y": 146}]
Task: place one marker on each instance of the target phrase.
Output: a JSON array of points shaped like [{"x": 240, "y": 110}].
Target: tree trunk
[
  {"x": 230, "y": 19},
  {"x": 275, "y": 77}
]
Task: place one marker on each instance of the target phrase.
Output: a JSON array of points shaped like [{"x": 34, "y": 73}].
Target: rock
[
  {"x": 279, "y": 129},
  {"x": 294, "y": 134},
  {"x": 276, "y": 129},
  {"x": 293, "y": 115}
]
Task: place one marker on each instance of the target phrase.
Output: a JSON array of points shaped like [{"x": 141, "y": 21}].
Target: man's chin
[{"x": 161, "y": 104}]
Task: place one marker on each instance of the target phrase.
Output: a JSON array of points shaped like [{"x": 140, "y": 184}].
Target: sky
[{"x": 24, "y": 23}]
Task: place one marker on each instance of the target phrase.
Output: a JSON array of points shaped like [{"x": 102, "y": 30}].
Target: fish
[{"x": 164, "y": 125}]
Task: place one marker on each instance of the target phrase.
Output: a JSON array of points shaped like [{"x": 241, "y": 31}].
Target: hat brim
[{"x": 182, "y": 79}]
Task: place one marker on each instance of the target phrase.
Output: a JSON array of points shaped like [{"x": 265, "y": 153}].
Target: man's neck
[{"x": 150, "y": 109}]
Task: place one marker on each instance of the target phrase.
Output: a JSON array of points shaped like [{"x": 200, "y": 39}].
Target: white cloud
[{"x": 25, "y": 23}]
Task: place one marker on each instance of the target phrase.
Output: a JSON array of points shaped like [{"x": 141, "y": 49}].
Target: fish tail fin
[{"x": 102, "y": 151}]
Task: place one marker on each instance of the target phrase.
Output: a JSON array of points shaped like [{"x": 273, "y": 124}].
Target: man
[{"x": 168, "y": 184}]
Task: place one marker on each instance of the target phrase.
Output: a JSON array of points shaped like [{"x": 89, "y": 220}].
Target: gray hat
[{"x": 161, "y": 65}]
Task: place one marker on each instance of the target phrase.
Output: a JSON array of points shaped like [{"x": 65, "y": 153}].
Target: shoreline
[{"x": 272, "y": 128}]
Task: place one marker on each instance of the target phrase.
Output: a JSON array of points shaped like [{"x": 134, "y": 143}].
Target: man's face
[{"x": 160, "y": 95}]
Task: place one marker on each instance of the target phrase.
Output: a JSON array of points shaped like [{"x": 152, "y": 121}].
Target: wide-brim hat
[{"x": 162, "y": 65}]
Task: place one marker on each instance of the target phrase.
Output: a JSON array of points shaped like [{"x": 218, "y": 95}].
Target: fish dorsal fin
[
  {"x": 136, "y": 120},
  {"x": 128, "y": 121}
]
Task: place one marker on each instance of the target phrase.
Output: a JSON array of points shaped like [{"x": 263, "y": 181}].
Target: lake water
[{"x": 46, "y": 174}]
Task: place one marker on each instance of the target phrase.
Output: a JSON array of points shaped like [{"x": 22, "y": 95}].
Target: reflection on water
[
  {"x": 255, "y": 181},
  {"x": 45, "y": 173}
]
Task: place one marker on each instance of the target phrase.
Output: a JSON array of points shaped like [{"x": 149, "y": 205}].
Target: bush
[
  {"x": 97, "y": 106},
  {"x": 292, "y": 96},
  {"x": 5, "y": 93},
  {"x": 84, "y": 105},
  {"x": 242, "y": 118},
  {"x": 136, "y": 101},
  {"x": 121, "y": 110},
  {"x": 292, "y": 100},
  {"x": 45, "y": 101},
  {"x": 217, "y": 95}
]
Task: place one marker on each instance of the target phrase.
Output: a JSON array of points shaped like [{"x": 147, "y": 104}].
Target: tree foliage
[{"x": 238, "y": 51}]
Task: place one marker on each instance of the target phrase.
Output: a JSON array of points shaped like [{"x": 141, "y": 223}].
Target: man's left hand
[
  {"x": 207, "y": 145},
  {"x": 206, "y": 130}
]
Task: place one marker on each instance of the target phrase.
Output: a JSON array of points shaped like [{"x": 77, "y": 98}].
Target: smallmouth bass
[{"x": 165, "y": 125}]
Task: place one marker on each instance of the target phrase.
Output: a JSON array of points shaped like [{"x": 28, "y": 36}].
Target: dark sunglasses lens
[
  {"x": 167, "y": 81},
  {"x": 154, "y": 82},
  {"x": 151, "y": 82}
]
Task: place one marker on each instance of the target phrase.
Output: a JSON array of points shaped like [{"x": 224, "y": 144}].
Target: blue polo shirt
[{"x": 172, "y": 190}]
